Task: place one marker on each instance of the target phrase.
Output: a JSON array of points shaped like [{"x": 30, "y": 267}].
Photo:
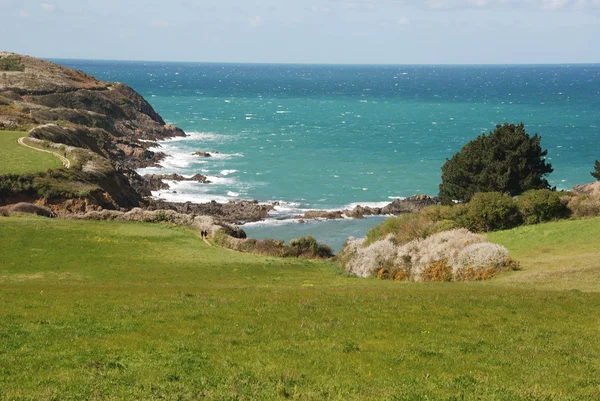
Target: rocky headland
[{"x": 108, "y": 130}]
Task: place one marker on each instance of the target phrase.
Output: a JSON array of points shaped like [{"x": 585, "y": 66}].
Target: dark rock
[
  {"x": 232, "y": 212},
  {"x": 409, "y": 205},
  {"x": 202, "y": 154},
  {"x": 322, "y": 214}
]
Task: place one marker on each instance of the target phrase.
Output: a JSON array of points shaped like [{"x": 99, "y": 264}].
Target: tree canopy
[
  {"x": 507, "y": 160},
  {"x": 596, "y": 172}
]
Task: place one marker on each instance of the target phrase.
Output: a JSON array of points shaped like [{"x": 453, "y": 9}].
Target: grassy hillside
[
  {"x": 98, "y": 310},
  {"x": 17, "y": 159},
  {"x": 561, "y": 255}
]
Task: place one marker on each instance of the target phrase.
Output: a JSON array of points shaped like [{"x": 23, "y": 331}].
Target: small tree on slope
[
  {"x": 507, "y": 160},
  {"x": 596, "y": 172}
]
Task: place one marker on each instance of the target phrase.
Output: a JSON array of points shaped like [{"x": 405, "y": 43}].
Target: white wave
[
  {"x": 282, "y": 112},
  {"x": 271, "y": 223},
  {"x": 396, "y": 197},
  {"x": 199, "y": 136},
  {"x": 224, "y": 156},
  {"x": 188, "y": 197},
  {"x": 218, "y": 180},
  {"x": 227, "y": 172},
  {"x": 233, "y": 194}
]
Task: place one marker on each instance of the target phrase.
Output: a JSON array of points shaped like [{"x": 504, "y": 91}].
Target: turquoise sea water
[{"x": 327, "y": 137}]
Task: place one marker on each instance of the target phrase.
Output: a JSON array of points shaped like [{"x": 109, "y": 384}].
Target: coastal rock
[
  {"x": 232, "y": 212},
  {"x": 360, "y": 212},
  {"x": 409, "y": 205},
  {"x": 202, "y": 154},
  {"x": 322, "y": 214}
]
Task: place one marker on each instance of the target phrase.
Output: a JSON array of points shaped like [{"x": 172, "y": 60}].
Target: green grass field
[
  {"x": 17, "y": 159},
  {"x": 99, "y": 310}
]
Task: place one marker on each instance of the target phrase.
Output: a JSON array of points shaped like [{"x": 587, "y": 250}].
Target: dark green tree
[
  {"x": 596, "y": 172},
  {"x": 507, "y": 160}
]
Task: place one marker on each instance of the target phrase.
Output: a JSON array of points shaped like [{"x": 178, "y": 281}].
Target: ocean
[{"x": 334, "y": 136}]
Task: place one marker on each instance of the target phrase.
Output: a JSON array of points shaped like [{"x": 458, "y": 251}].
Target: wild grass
[
  {"x": 120, "y": 311},
  {"x": 17, "y": 159},
  {"x": 562, "y": 255}
]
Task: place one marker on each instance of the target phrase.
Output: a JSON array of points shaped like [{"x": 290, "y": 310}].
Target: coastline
[{"x": 271, "y": 212}]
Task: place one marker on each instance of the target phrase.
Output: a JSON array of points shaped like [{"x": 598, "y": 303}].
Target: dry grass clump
[
  {"x": 585, "y": 205},
  {"x": 455, "y": 255}
]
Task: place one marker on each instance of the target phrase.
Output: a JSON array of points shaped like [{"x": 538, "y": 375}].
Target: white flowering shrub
[{"x": 460, "y": 253}]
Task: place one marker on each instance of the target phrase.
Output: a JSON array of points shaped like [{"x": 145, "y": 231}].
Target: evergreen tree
[
  {"x": 596, "y": 172},
  {"x": 507, "y": 160}
]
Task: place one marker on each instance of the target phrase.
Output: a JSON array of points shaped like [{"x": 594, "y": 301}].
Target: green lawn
[
  {"x": 99, "y": 310},
  {"x": 17, "y": 159}
]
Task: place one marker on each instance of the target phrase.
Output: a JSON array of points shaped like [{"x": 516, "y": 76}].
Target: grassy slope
[
  {"x": 97, "y": 310},
  {"x": 561, "y": 255},
  {"x": 17, "y": 159}
]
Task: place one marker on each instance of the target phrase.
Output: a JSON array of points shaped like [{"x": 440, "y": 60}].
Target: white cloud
[
  {"x": 255, "y": 22},
  {"x": 48, "y": 7},
  {"x": 317, "y": 9},
  {"x": 463, "y": 4},
  {"x": 23, "y": 13},
  {"x": 555, "y": 4},
  {"x": 403, "y": 21},
  {"x": 161, "y": 24}
]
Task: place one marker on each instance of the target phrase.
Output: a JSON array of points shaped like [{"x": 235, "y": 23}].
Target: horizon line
[{"x": 323, "y": 64}]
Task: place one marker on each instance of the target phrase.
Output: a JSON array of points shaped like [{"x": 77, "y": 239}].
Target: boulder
[{"x": 26, "y": 208}]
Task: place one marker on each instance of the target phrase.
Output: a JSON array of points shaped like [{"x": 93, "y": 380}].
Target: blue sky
[{"x": 307, "y": 31}]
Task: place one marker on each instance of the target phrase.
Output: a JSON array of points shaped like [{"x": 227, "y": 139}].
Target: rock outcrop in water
[
  {"x": 231, "y": 212},
  {"x": 399, "y": 206}
]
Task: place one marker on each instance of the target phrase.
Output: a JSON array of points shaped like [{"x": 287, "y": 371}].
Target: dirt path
[
  {"x": 63, "y": 159},
  {"x": 207, "y": 243}
]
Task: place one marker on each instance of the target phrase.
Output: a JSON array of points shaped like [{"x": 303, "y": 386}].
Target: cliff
[
  {"x": 108, "y": 118},
  {"x": 105, "y": 125}
]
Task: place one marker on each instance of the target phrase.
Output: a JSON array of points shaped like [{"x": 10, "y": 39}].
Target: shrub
[
  {"x": 507, "y": 160},
  {"x": 308, "y": 247},
  {"x": 438, "y": 271},
  {"x": 537, "y": 206},
  {"x": 410, "y": 227},
  {"x": 482, "y": 255},
  {"x": 11, "y": 63},
  {"x": 403, "y": 228},
  {"x": 490, "y": 211},
  {"x": 367, "y": 262},
  {"x": 448, "y": 256}
]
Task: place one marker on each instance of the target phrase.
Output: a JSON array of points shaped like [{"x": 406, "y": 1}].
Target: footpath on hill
[{"x": 63, "y": 159}]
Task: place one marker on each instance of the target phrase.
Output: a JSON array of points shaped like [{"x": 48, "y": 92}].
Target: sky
[{"x": 306, "y": 31}]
